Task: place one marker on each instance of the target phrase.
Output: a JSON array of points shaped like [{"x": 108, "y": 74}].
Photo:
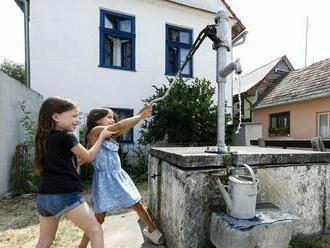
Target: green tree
[
  {"x": 187, "y": 116},
  {"x": 14, "y": 70}
]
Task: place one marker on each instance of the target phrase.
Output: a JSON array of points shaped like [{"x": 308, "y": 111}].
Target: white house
[{"x": 110, "y": 52}]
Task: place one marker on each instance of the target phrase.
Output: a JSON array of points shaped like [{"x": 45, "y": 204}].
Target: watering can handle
[{"x": 251, "y": 172}]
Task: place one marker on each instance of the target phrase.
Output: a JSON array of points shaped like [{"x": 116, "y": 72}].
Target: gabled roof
[
  {"x": 252, "y": 78},
  {"x": 300, "y": 85}
]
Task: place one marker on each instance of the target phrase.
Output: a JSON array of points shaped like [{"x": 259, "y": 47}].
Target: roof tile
[{"x": 299, "y": 85}]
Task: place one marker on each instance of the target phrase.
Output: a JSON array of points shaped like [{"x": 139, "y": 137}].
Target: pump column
[{"x": 223, "y": 48}]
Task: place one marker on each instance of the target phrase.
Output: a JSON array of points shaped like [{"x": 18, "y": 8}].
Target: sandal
[{"x": 155, "y": 237}]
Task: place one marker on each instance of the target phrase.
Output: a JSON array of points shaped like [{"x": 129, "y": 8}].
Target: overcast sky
[
  {"x": 275, "y": 28},
  {"x": 11, "y": 31},
  {"x": 279, "y": 27}
]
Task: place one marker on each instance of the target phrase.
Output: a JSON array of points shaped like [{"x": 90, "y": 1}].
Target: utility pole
[{"x": 306, "y": 41}]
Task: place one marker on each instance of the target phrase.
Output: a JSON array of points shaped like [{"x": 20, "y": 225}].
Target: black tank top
[{"x": 60, "y": 165}]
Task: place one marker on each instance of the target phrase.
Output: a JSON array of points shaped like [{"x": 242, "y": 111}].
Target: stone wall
[
  {"x": 11, "y": 131},
  {"x": 302, "y": 190},
  {"x": 183, "y": 193}
]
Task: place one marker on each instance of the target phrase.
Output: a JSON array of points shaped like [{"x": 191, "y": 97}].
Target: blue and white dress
[{"x": 112, "y": 188}]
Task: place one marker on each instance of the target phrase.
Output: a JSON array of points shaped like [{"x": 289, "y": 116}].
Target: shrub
[{"x": 188, "y": 116}]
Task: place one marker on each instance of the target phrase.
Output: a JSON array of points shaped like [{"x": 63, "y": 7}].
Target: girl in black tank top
[{"x": 57, "y": 150}]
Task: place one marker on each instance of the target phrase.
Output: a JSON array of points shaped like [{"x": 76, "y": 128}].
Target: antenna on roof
[{"x": 307, "y": 26}]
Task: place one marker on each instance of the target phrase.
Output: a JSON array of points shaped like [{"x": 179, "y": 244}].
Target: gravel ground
[{"x": 19, "y": 222}]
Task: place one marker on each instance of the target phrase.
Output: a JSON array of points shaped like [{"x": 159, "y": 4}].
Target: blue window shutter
[
  {"x": 178, "y": 40},
  {"x": 115, "y": 28}
]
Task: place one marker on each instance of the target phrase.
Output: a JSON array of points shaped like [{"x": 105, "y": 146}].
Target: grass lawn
[{"x": 19, "y": 223}]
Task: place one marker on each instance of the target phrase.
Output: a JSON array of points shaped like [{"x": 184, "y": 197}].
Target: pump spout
[
  {"x": 225, "y": 195},
  {"x": 233, "y": 66}
]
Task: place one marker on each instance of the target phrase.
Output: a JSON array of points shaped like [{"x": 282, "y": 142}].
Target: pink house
[
  {"x": 254, "y": 83},
  {"x": 297, "y": 107}
]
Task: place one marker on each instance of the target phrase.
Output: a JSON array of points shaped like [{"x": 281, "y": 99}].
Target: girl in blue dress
[{"x": 112, "y": 188}]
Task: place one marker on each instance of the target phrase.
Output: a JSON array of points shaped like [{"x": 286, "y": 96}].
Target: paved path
[{"x": 125, "y": 231}]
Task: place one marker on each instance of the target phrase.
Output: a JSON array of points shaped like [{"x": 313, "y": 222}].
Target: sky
[
  {"x": 11, "y": 32},
  {"x": 276, "y": 28}
]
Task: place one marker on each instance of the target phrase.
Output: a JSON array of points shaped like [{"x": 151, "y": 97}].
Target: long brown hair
[
  {"x": 94, "y": 115},
  {"x": 46, "y": 124}
]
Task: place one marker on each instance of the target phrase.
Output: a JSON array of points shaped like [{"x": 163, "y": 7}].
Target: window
[
  {"x": 279, "y": 124},
  {"x": 324, "y": 125},
  {"x": 117, "y": 41},
  {"x": 178, "y": 44},
  {"x": 122, "y": 114}
]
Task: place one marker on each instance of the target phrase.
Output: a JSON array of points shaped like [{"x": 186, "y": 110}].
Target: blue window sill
[
  {"x": 182, "y": 75},
  {"x": 117, "y": 67}
]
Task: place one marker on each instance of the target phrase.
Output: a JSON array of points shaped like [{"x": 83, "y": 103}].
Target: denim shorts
[{"x": 58, "y": 204}]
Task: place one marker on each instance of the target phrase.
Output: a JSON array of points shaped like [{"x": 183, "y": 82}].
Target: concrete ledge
[
  {"x": 195, "y": 157},
  {"x": 191, "y": 157},
  {"x": 272, "y": 235},
  {"x": 253, "y": 155}
]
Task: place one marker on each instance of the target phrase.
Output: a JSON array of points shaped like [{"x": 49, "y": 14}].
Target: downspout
[{"x": 27, "y": 41}]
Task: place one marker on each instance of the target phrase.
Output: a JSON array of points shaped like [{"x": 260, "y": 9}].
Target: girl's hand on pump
[{"x": 146, "y": 111}]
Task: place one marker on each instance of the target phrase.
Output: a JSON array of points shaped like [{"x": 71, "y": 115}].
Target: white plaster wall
[
  {"x": 11, "y": 131},
  {"x": 208, "y": 5},
  {"x": 253, "y": 131},
  {"x": 65, "y": 50},
  {"x": 248, "y": 131}
]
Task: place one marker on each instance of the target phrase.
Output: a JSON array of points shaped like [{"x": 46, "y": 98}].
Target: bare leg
[
  {"x": 144, "y": 216},
  {"x": 83, "y": 217},
  {"x": 85, "y": 240},
  {"x": 48, "y": 228}
]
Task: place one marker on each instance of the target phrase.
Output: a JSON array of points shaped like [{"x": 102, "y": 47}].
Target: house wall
[
  {"x": 65, "y": 51},
  {"x": 248, "y": 131},
  {"x": 208, "y": 5},
  {"x": 247, "y": 106},
  {"x": 11, "y": 131},
  {"x": 303, "y": 117}
]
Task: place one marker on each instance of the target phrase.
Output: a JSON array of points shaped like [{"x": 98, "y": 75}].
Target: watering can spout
[{"x": 225, "y": 195}]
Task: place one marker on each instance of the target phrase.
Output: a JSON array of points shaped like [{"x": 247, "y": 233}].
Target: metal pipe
[
  {"x": 27, "y": 42},
  {"x": 222, "y": 47}
]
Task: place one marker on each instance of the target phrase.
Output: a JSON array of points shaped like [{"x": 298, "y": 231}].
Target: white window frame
[{"x": 318, "y": 123}]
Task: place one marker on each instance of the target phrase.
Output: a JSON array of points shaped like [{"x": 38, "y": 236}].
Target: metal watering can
[{"x": 242, "y": 194}]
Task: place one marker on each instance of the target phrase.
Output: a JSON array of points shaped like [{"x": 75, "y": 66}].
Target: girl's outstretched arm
[
  {"x": 124, "y": 125},
  {"x": 89, "y": 155},
  {"x": 128, "y": 123}
]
